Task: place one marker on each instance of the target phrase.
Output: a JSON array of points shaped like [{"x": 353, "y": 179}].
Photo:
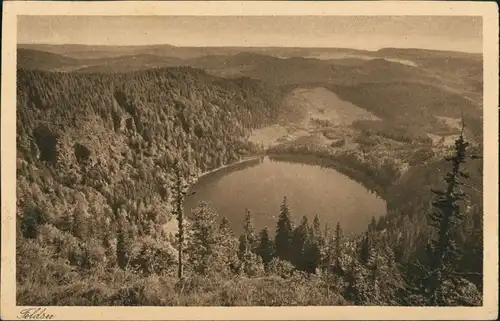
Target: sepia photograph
[{"x": 249, "y": 160}]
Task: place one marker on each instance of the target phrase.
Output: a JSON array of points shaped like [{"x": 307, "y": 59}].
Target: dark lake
[{"x": 261, "y": 184}]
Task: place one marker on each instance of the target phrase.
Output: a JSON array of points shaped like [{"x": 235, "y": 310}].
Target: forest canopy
[{"x": 96, "y": 189}]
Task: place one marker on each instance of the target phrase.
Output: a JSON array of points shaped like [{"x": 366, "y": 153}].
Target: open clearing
[{"x": 310, "y": 111}]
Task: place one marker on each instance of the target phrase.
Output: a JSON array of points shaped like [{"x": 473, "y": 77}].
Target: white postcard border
[{"x": 489, "y": 12}]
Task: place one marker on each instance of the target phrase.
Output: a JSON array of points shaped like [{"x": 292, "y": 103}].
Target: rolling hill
[
  {"x": 438, "y": 84},
  {"x": 281, "y": 66},
  {"x": 127, "y": 63},
  {"x": 100, "y": 51},
  {"x": 46, "y": 61},
  {"x": 101, "y": 130}
]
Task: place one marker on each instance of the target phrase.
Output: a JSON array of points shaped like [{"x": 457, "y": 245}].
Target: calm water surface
[{"x": 261, "y": 184}]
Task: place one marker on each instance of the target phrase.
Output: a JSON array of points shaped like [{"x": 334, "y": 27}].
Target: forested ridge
[{"x": 96, "y": 186}]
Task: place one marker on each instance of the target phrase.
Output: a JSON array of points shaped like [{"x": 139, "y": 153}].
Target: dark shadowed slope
[
  {"x": 404, "y": 99},
  {"x": 128, "y": 63},
  {"x": 46, "y": 61},
  {"x": 41, "y": 60}
]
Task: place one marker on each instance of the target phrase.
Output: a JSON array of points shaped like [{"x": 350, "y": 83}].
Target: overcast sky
[{"x": 362, "y": 32}]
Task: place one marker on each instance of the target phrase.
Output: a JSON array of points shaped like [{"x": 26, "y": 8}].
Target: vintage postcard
[{"x": 249, "y": 160}]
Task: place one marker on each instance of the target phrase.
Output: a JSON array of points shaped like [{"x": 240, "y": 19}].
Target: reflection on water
[
  {"x": 260, "y": 185},
  {"x": 229, "y": 169}
]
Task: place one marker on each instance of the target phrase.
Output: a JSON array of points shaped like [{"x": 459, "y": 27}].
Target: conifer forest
[{"x": 128, "y": 191}]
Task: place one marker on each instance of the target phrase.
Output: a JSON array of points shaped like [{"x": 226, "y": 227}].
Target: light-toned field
[
  {"x": 323, "y": 105},
  {"x": 451, "y": 122},
  {"x": 310, "y": 112},
  {"x": 268, "y": 136}
]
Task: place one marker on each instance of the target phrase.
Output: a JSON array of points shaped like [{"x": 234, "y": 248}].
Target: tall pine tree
[
  {"x": 123, "y": 244},
  {"x": 265, "y": 248},
  {"x": 179, "y": 192},
  {"x": 284, "y": 232},
  {"x": 316, "y": 231},
  {"x": 227, "y": 249},
  {"x": 441, "y": 278},
  {"x": 203, "y": 240},
  {"x": 338, "y": 248},
  {"x": 248, "y": 238},
  {"x": 299, "y": 240},
  {"x": 312, "y": 255},
  {"x": 251, "y": 262}
]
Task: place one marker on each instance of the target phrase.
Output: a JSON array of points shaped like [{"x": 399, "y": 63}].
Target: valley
[
  {"x": 316, "y": 113},
  {"x": 108, "y": 136}
]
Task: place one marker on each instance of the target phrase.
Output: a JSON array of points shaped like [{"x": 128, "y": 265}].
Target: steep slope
[
  {"x": 95, "y": 155},
  {"x": 41, "y": 60},
  {"x": 411, "y": 103},
  {"x": 150, "y": 105},
  {"x": 407, "y": 222}
]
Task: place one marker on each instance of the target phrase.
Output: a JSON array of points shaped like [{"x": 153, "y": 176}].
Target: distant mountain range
[
  {"x": 99, "y": 51},
  {"x": 402, "y": 83},
  {"x": 322, "y": 63}
]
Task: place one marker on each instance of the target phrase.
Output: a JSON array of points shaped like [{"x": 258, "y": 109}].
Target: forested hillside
[
  {"x": 95, "y": 156},
  {"x": 101, "y": 162}
]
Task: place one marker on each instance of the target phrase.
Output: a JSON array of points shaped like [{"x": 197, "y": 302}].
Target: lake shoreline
[
  {"x": 260, "y": 186},
  {"x": 311, "y": 159},
  {"x": 335, "y": 164},
  {"x": 242, "y": 161}
]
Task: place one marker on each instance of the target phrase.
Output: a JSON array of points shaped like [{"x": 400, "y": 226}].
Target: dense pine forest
[{"x": 104, "y": 162}]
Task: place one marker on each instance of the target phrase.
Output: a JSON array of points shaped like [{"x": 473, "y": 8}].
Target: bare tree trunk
[
  {"x": 180, "y": 218},
  {"x": 180, "y": 267},
  {"x": 181, "y": 240}
]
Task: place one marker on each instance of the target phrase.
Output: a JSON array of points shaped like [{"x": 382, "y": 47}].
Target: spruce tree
[
  {"x": 31, "y": 220},
  {"x": 266, "y": 247},
  {"x": 338, "y": 247},
  {"x": 227, "y": 248},
  {"x": 446, "y": 217},
  {"x": 326, "y": 253},
  {"x": 374, "y": 264},
  {"x": 109, "y": 250},
  {"x": 366, "y": 248},
  {"x": 284, "y": 232},
  {"x": 123, "y": 246},
  {"x": 242, "y": 246},
  {"x": 203, "y": 240},
  {"x": 327, "y": 256},
  {"x": 316, "y": 231},
  {"x": 312, "y": 255},
  {"x": 251, "y": 262},
  {"x": 179, "y": 192},
  {"x": 316, "y": 228},
  {"x": 299, "y": 239},
  {"x": 247, "y": 238},
  {"x": 314, "y": 246},
  {"x": 80, "y": 224},
  {"x": 353, "y": 290}
]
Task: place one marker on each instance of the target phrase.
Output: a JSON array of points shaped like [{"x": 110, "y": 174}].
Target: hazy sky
[{"x": 360, "y": 32}]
